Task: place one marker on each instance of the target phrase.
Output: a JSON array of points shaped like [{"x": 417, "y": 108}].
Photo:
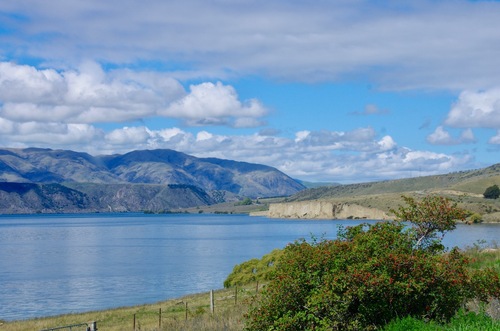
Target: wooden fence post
[
  {"x": 159, "y": 318},
  {"x": 186, "y": 311},
  {"x": 236, "y": 295},
  {"x": 134, "y": 322},
  {"x": 212, "y": 301}
]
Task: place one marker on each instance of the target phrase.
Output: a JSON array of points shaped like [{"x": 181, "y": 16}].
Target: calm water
[{"x": 57, "y": 264}]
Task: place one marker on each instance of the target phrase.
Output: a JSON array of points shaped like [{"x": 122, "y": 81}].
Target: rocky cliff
[{"x": 324, "y": 210}]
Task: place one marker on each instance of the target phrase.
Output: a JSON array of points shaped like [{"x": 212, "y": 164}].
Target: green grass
[
  {"x": 461, "y": 322},
  {"x": 484, "y": 257}
]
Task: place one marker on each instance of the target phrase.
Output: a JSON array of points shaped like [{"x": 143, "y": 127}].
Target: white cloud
[
  {"x": 28, "y": 134},
  {"x": 495, "y": 139},
  {"x": 476, "y": 110},
  {"x": 216, "y": 104},
  {"x": 387, "y": 143},
  {"x": 442, "y": 137},
  {"x": 25, "y": 84},
  {"x": 91, "y": 95},
  {"x": 467, "y": 136},
  {"x": 85, "y": 96},
  {"x": 204, "y": 135},
  {"x": 128, "y": 136}
]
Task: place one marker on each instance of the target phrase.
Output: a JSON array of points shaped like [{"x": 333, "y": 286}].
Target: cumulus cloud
[
  {"x": 90, "y": 95},
  {"x": 128, "y": 136},
  {"x": 476, "y": 109},
  {"x": 473, "y": 109},
  {"x": 442, "y": 137},
  {"x": 27, "y": 134},
  {"x": 216, "y": 104}
]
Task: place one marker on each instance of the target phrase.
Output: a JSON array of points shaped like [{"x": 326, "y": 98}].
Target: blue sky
[{"x": 340, "y": 91}]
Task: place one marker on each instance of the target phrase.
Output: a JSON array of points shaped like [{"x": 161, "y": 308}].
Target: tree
[
  {"x": 492, "y": 192},
  {"x": 431, "y": 218},
  {"x": 370, "y": 275}
]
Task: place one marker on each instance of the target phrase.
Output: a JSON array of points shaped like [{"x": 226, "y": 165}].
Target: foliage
[
  {"x": 372, "y": 274},
  {"x": 492, "y": 192},
  {"x": 244, "y": 202},
  {"x": 431, "y": 218},
  {"x": 476, "y": 218},
  {"x": 253, "y": 270}
]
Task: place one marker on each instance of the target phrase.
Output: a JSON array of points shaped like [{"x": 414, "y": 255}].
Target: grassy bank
[{"x": 228, "y": 314}]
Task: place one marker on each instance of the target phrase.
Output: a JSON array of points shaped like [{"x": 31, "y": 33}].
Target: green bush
[
  {"x": 492, "y": 192},
  {"x": 244, "y": 202},
  {"x": 370, "y": 275},
  {"x": 253, "y": 270},
  {"x": 476, "y": 218}
]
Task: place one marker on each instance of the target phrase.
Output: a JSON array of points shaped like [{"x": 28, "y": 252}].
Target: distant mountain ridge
[{"x": 102, "y": 179}]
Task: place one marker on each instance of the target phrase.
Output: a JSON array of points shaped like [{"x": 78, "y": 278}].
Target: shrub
[
  {"x": 492, "y": 192},
  {"x": 476, "y": 218},
  {"x": 369, "y": 276},
  {"x": 244, "y": 202},
  {"x": 253, "y": 270}
]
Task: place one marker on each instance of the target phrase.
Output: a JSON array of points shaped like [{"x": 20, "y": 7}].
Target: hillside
[
  {"x": 465, "y": 186},
  {"x": 45, "y": 180}
]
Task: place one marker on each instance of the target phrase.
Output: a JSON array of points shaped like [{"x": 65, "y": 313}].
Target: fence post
[
  {"x": 236, "y": 295},
  {"x": 212, "y": 301},
  {"x": 134, "y": 322},
  {"x": 257, "y": 287},
  {"x": 186, "y": 311},
  {"x": 159, "y": 319}
]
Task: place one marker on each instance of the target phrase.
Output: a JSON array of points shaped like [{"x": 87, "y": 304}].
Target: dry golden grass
[{"x": 228, "y": 315}]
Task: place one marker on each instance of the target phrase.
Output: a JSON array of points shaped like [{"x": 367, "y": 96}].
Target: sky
[{"x": 339, "y": 91}]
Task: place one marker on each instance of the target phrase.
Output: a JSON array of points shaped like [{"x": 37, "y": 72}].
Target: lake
[{"x": 58, "y": 264}]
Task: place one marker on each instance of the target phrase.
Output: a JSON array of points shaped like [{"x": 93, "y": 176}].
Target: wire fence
[{"x": 168, "y": 315}]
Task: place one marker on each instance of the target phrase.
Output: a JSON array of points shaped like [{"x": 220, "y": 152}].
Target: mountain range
[{"x": 46, "y": 180}]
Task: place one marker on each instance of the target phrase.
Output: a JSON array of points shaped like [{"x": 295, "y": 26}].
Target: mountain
[{"x": 46, "y": 180}]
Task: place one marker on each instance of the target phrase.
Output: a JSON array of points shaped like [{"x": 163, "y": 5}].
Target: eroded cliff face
[{"x": 324, "y": 210}]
